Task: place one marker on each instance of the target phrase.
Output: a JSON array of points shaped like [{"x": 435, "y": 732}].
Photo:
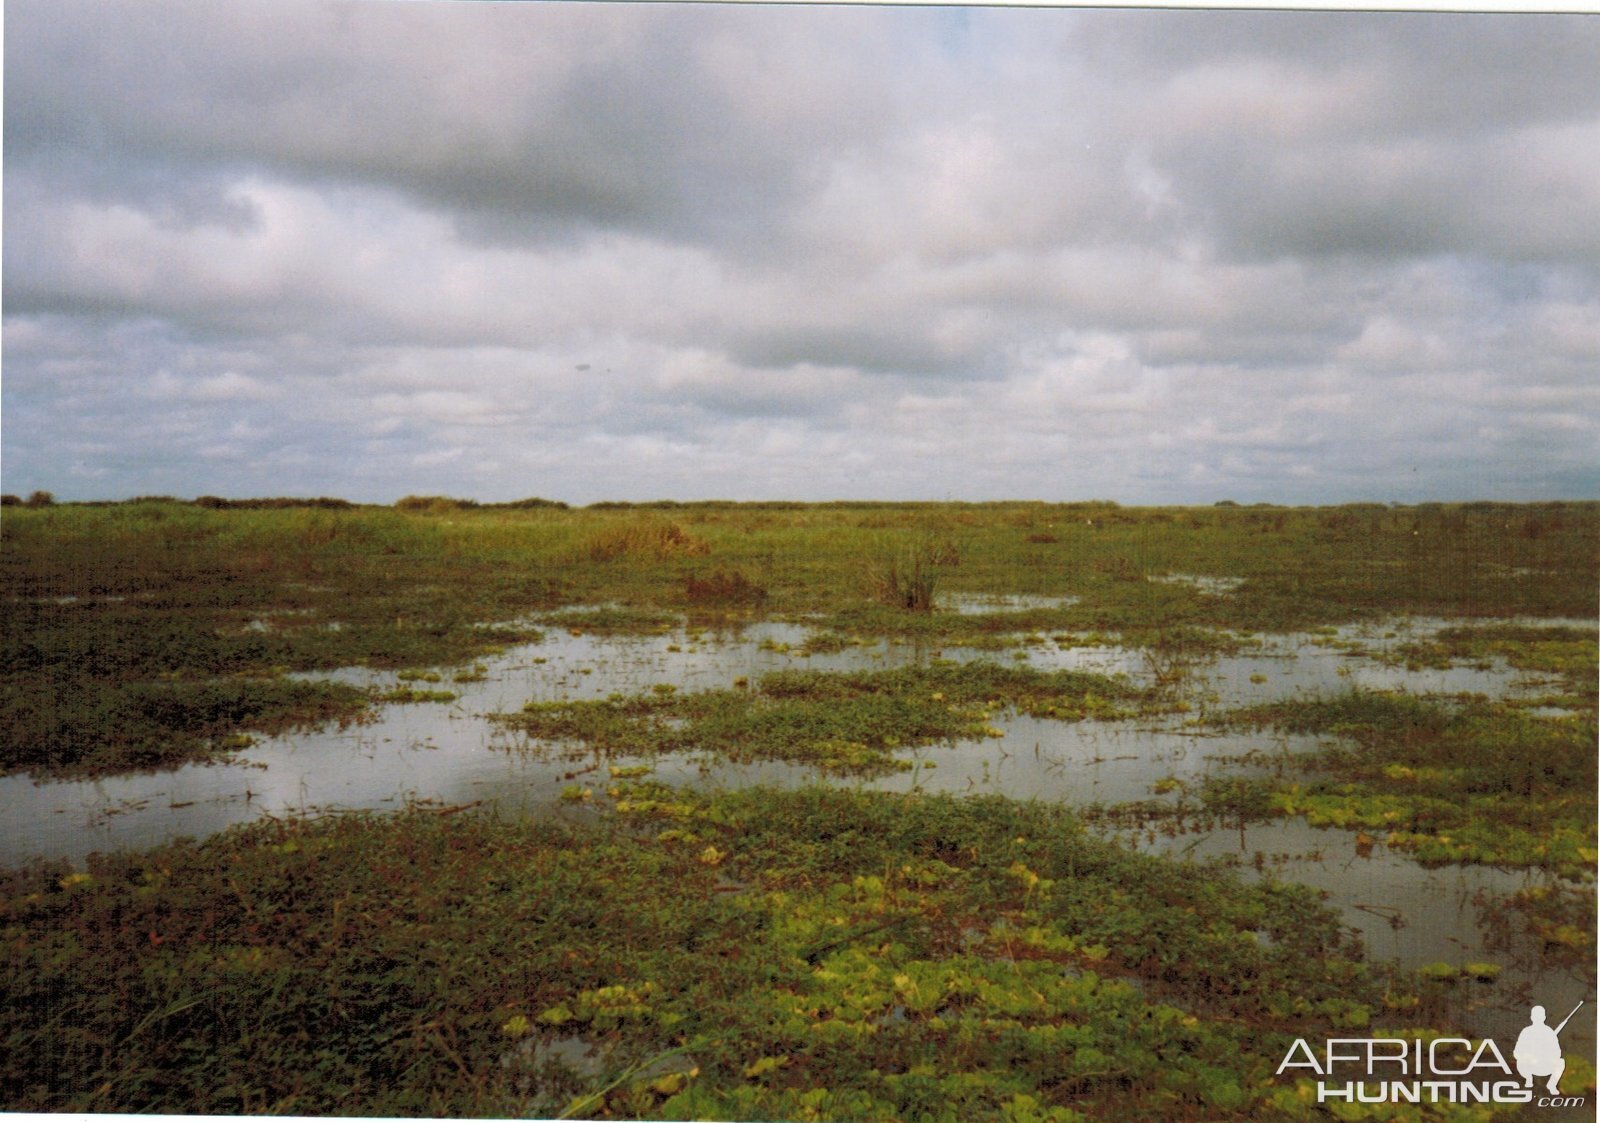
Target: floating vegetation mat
[{"x": 842, "y": 723}]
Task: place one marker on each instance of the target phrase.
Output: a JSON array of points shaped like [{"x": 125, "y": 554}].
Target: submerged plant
[{"x": 1468, "y": 782}]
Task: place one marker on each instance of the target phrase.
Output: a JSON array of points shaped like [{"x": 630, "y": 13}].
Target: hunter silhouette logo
[{"x": 1538, "y": 1051}]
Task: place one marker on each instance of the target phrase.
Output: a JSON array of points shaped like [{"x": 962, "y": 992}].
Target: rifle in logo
[{"x": 1538, "y": 1051}]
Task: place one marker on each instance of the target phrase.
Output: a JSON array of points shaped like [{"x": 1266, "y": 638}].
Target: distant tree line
[
  {"x": 216, "y": 502},
  {"x": 438, "y": 504},
  {"x": 37, "y": 499},
  {"x": 433, "y": 503},
  {"x": 1105, "y": 509}
]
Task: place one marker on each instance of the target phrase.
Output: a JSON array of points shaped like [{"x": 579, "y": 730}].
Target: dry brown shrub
[{"x": 723, "y": 587}]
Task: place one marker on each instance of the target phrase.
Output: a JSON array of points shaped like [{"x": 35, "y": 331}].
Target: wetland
[{"x": 852, "y": 811}]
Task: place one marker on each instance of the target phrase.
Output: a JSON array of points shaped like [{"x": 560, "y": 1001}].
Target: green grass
[
  {"x": 751, "y": 955},
  {"x": 842, "y": 723},
  {"x": 1468, "y": 781},
  {"x": 1299, "y": 565},
  {"x": 82, "y": 726},
  {"x": 405, "y": 694}
]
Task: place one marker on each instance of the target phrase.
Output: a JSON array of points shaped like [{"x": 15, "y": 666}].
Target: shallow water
[
  {"x": 1213, "y": 586},
  {"x": 1275, "y": 667},
  {"x": 1081, "y": 764},
  {"x": 449, "y": 754},
  {"x": 979, "y": 604},
  {"x": 1405, "y": 913}
]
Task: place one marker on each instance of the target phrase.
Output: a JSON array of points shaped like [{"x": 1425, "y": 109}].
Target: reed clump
[{"x": 906, "y": 576}]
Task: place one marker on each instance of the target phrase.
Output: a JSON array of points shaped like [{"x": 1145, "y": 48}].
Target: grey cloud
[
  {"x": 1395, "y": 136},
  {"x": 1511, "y": 196},
  {"x": 519, "y": 121},
  {"x": 365, "y": 248},
  {"x": 873, "y": 349},
  {"x": 1397, "y": 72}
]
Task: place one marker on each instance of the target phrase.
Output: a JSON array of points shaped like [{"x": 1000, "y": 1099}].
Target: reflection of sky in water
[
  {"x": 1404, "y": 912},
  {"x": 448, "y": 754},
  {"x": 979, "y": 604},
  {"x": 1215, "y": 586},
  {"x": 1077, "y": 763}
]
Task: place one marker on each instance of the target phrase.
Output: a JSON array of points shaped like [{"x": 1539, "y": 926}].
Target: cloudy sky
[{"x": 610, "y": 251}]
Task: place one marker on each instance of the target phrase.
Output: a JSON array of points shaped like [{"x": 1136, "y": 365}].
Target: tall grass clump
[
  {"x": 532, "y": 503},
  {"x": 907, "y": 575}
]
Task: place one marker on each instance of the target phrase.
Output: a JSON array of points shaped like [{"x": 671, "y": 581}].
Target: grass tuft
[{"x": 906, "y": 575}]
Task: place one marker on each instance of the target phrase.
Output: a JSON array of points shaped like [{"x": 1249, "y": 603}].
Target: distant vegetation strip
[{"x": 439, "y": 503}]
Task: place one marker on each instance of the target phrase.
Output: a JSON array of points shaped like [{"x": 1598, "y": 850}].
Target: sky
[{"x": 368, "y": 248}]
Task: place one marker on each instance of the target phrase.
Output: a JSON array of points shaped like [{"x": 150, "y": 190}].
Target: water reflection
[{"x": 450, "y": 753}]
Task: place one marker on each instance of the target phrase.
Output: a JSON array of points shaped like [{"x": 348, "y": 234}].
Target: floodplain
[{"x": 852, "y": 811}]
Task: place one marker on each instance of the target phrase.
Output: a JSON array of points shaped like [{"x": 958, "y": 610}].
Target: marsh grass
[
  {"x": 650, "y": 538},
  {"x": 1566, "y": 654},
  {"x": 749, "y": 955},
  {"x": 433, "y": 504},
  {"x": 409, "y": 694},
  {"x": 1560, "y": 916},
  {"x": 759, "y": 954},
  {"x": 611, "y": 620},
  {"x": 84, "y": 726},
  {"x": 102, "y": 598},
  {"x": 723, "y": 587},
  {"x": 840, "y": 723},
  {"x": 1472, "y": 781},
  {"x": 905, "y": 575}
]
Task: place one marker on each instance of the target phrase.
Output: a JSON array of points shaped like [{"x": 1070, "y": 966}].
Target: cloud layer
[{"x": 635, "y": 251}]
